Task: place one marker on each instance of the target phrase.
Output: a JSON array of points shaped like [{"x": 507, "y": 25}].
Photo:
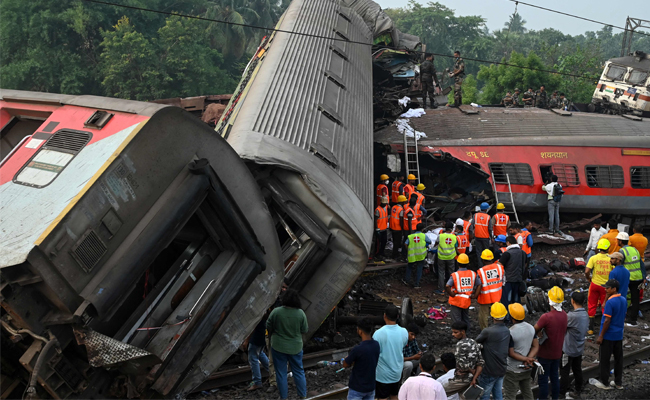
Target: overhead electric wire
[
  {"x": 327, "y": 38},
  {"x": 578, "y": 17}
]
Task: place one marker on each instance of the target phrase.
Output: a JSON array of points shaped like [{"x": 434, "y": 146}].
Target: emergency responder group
[
  {"x": 539, "y": 99},
  {"x": 428, "y": 76}
]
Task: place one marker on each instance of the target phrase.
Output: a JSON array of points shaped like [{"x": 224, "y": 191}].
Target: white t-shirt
[{"x": 444, "y": 379}]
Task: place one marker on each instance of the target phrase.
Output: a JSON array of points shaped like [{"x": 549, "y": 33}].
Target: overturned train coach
[{"x": 139, "y": 248}]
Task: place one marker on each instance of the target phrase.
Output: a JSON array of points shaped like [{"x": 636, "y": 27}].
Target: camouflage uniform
[
  {"x": 459, "y": 75},
  {"x": 528, "y": 98},
  {"x": 468, "y": 357},
  {"x": 427, "y": 77},
  {"x": 515, "y": 99},
  {"x": 563, "y": 102},
  {"x": 553, "y": 103},
  {"x": 507, "y": 100},
  {"x": 541, "y": 100}
]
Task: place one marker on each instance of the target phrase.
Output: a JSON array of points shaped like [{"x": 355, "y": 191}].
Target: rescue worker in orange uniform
[
  {"x": 499, "y": 246},
  {"x": 381, "y": 228},
  {"x": 612, "y": 224},
  {"x": 410, "y": 220},
  {"x": 467, "y": 222},
  {"x": 491, "y": 279},
  {"x": 382, "y": 188},
  {"x": 419, "y": 209},
  {"x": 395, "y": 225},
  {"x": 410, "y": 186},
  {"x": 397, "y": 189},
  {"x": 481, "y": 228},
  {"x": 500, "y": 221},
  {"x": 526, "y": 241},
  {"x": 460, "y": 286},
  {"x": 463, "y": 240}
]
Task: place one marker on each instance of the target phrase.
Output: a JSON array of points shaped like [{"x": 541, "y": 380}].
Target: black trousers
[
  {"x": 398, "y": 242},
  {"x": 575, "y": 364},
  {"x": 481, "y": 244},
  {"x": 380, "y": 242},
  {"x": 607, "y": 348},
  {"x": 428, "y": 89},
  {"x": 635, "y": 294}
]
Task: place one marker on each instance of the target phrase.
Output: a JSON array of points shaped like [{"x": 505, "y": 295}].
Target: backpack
[{"x": 557, "y": 192}]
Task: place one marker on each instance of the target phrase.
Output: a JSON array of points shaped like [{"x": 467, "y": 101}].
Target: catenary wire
[
  {"x": 275, "y": 30},
  {"x": 578, "y": 17}
]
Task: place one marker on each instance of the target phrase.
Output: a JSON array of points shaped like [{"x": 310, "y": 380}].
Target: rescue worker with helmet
[
  {"x": 636, "y": 267},
  {"x": 554, "y": 324},
  {"x": 381, "y": 228},
  {"x": 481, "y": 228},
  {"x": 410, "y": 186},
  {"x": 499, "y": 246},
  {"x": 463, "y": 240},
  {"x": 417, "y": 244},
  {"x": 496, "y": 342},
  {"x": 460, "y": 287},
  {"x": 447, "y": 250},
  {"x": 490, "y": 279},
  {"x": 500, "y": 221},
  {"x": 410, "y": 220},
  {"x": 397, "y": 189},
  {"x": 597, "y": 272},
  {"x": 525, "y": 240},
  {"x": 382, "y": 188},
  {"x": 419, "y": 209},
  {"x": 395, "y": 225}
]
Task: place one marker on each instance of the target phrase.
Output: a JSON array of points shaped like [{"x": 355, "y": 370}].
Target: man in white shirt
[
  {"x": 597, "y": 231},
  {"x": 423, "y": 386},
  {"x": 553, "y": 206},
  {"x": 449, "y": 365}
]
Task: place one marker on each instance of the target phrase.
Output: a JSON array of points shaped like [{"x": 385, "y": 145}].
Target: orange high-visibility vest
[
  {"x": 418, "y": 205},
  {"x": 408, "y": 189},
  {"x": 395, "y": 220},
  {"x": 503, "y": 249},
  {"x": 491, "y": 283},
  {"x": 382, "y": 221},
  {"x": 524, "y": 246},
  {"x": 405, "y": 219},
  {"x": 463, "y": 286},
  {"x": 500, "y": 224},
  {"x": 481, "y": 225},
  {"x": 382, "y": 190},
  {"x": 466, "y": 225},
  {"x": 463, "y": 243},
  {"x": 395, "y": 191}
]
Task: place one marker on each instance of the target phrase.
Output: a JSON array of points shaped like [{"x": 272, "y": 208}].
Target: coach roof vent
[
  {"x": 70, "y": 141},
  {"x": 98, "y": 119}
]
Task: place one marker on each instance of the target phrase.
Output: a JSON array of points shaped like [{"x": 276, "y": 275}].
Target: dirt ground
[{"x": 435, "y": 336}]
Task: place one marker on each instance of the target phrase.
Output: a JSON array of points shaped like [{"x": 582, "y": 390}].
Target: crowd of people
[
  {"x": 539, "y": 99},
  {"x": 502, "y": 358}
]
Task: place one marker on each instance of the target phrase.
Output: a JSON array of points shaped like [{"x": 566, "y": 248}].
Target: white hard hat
[
  {"x": 460, "y": 221},
  {"x": 623, "y": 236}
]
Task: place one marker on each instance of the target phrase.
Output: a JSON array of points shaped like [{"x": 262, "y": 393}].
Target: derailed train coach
[
  {"x": 139, "y": 248},
  {"x": 136, "y": 251}
]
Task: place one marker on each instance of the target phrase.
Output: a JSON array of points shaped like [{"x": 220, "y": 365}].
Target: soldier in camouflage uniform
[
  {"x": 554, "y": 102},
  {"x": 564, "y": 102},
  {"x": 427, "y": 77},
  {"x": 469, "y": 361},
  {"x": 458, "y": 75},
  {"x": 507, "y": 100},
  {"x": 528, "y": 98},
  {"x": 541, "y": 100},
  {"x": 515, "y": 98}
]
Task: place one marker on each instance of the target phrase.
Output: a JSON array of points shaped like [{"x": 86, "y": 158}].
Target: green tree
[
  {"x": 469, "y": 90},
  {"x": 516, "y": 24},
  {"x": 581, "y": 62}
]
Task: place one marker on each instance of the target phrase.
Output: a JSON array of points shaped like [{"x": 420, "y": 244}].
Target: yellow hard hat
[
  {"x": 517, "y": 311},
  {"x": 401, "y": 198},
  {"x": 463, "y": 259},
  {"x": 603, "y": 244},
  {"x": 383, "y": 177},
  {"x": 420, "y": 187},
  {"x": 411, "y": 177},
  {"x": 487, "y": 255},
  {"x": 500, "y": 206},
  {"x": 556, "y": 294},
  {"x": 498, "y": 311}
]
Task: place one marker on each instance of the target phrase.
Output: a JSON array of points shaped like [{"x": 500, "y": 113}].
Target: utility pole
[{"x": 631, "y": 25}]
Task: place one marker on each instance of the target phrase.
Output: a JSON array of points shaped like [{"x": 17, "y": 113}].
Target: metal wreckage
[{"x": 139, "y": 248}]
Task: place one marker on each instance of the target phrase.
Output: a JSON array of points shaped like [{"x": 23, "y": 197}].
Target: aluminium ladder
[
  {"x": 411, "y": 156},
  {"x": 507, "y": 194}
]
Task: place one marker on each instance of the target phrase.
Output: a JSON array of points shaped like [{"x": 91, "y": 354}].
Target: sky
[{"x": 497, "y": 12}]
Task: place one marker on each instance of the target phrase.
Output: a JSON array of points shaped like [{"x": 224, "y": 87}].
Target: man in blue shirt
[
  {"x": 610, "y": 338},
  {"x": 392, "y": 338},
  {"x": 620, "y": 273},
  {"x": 363, "y": 359}
]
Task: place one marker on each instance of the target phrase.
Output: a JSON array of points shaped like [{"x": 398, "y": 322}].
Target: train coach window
[
  {"x": 616, "y": 72},
  {"x": 567, "y": 174},
  {"x": 637, "y": 77},
  {"x": 640, "y": 177},
  {"x": 604, "y": 176},
  {"x": 519, "y": 174}
]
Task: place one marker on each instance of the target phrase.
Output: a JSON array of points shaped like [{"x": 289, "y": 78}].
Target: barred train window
[
  {"x": 604, "y": 176},
  {"x": 640, "y": 177},
  {"x": 566, "y": 174},
  {"x": 519, "y": 174}
]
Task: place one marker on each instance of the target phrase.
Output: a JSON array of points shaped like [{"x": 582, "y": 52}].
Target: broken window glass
[
  {"x": 637, "y": 77},
  {"x": 615, "y": 72}
]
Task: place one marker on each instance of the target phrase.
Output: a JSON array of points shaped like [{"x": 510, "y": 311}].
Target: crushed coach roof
[{"x": 522, "y": 126}]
